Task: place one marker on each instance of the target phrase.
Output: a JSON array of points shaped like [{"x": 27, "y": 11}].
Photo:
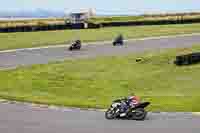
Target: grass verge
[
  {"x": 44, "y": 38},
  {"x": 94, "y": 83},
  {"x": 144, "y": 18}
]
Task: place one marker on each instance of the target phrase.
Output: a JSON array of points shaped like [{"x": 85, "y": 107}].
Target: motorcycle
[
  {"x": 75, "y": 46},
  {"x": 118, "y": 41},
  {"x": 137, "y": 112}
]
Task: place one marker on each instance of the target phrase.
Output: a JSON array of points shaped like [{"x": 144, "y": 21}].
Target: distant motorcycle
[
  {"x": 136, "y": 113},
  {"x": 118, "y": 41},
  {"x": 75, "y": 46}
]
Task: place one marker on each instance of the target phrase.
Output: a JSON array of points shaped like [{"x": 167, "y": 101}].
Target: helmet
[
  {"x": 131, "y": 97},
  {"x": 78, "y": 41},
  {"x": 135, "y": 98}
]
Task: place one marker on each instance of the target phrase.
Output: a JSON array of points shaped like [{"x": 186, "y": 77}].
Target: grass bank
[
  {"x": 96, "y": 82},
  {"x": 31, "y": 22},
  {"x": 144, "y": 18},
  {"x": 36, "y": 39}
]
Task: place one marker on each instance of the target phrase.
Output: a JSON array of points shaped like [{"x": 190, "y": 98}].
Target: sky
[{"x": 105, "y": 6}]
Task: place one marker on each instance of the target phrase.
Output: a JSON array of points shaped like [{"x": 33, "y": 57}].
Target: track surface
[
  {"x": 44, "y": 55},
  {"x": 16, "y": 118},
  {"x": 27, "y": 119}
]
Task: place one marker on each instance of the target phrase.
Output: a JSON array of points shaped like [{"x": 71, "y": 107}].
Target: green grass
[
  {"x": 116, "y": 19},
  {"x": 31, "y": 22},
  {"x": 96, "y": 82},
  {"x": 35, "y": 39}
]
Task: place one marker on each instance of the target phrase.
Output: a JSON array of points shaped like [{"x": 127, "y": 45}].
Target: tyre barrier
[
  {"x": 34, "y": 28},
  {"x": 47, "y": 27},
  {"x": 150, "y": 22},
  {"x": 187, "y": 59}
]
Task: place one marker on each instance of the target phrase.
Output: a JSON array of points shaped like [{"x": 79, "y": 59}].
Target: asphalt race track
[
  {"x": 26, "y": 119},
  {"x": 19, "y": 118},
  {"x": 45, "y": 55}
]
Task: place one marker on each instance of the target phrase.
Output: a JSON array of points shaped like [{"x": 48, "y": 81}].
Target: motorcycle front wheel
[
  {"x": 70, "y": 48},
  {"x": 110, "y": 114}
]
